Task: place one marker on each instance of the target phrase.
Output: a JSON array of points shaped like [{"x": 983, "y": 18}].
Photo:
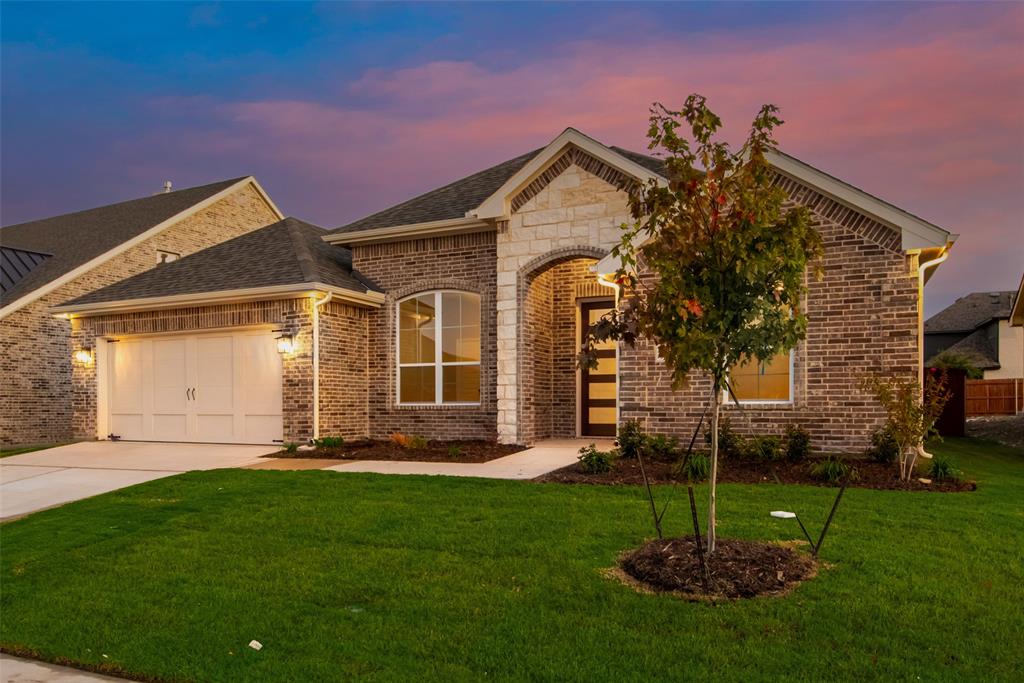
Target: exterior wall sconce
[
  {"x": 286, "y": 344},
  {"x": 84, "y": 356}
]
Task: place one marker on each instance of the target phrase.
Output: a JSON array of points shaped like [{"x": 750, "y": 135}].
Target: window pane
[
  {"x": 460, "y": 319},
  {"x": 417, "y": 385},
  {"x": 767, "y": 381},
  {"x": 416, "y": 329},
  {"x": 601, "y": 416},
  {"x": 602, "y": 389},
  {"x": 461, "y": 384}
]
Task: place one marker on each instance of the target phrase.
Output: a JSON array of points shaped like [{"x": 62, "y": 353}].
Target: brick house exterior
[
  {"x": 35, "y": 347},
  {"x": 531, "y": 238}
]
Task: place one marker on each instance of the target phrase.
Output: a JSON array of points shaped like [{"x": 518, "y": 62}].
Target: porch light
[
  {"x": 83, "y": 355},
  {"x": 286, "y": 344}
]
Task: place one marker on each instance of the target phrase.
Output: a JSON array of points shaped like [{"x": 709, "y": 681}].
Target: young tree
[
  {"x": 910, "y": 417},
  {"x": 713, "y": 266}
]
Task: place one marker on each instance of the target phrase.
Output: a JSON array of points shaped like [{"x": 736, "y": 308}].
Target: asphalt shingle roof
[
  {"x": 283, "y": 253},
  {"x": 970, "y": 311},
  {"x": 977, "y": 348},
  {"x": 76, "y": 238},
  {"x": 455, "y": 199}
]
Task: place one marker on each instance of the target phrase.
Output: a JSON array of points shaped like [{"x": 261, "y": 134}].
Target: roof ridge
[{"x": 307, "y": 264}]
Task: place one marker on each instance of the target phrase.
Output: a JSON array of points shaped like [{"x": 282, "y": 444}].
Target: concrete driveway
[{"x": 45, "y": 479}]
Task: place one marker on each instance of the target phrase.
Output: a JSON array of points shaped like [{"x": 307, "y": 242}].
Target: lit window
[
  {"x": 762, "y": 381},
  {"x": 439, "y": 348}
]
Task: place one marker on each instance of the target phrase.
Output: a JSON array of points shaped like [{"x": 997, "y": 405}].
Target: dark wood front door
[{"x": 597, "y": 386}]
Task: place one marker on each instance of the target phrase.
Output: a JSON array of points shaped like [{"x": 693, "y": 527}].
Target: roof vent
[{"x": 167, "y": 186}]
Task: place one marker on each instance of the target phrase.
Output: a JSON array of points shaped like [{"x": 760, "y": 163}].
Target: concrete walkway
[
  {"x": 44, "y": 479},
  {"x": 18, "y": 670},
  {"x": 533, "y": 462}
]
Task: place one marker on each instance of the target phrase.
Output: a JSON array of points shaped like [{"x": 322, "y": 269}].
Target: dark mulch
[
  {"x": 870, "y": 475},
  {"x": 434, "y": 451},
  {"x": 738, "y": 569}
]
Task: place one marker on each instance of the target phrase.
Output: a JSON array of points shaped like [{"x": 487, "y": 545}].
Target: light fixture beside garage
[
  {"x": 286, "y": 342},
  {"x": 84, "y": 355}
]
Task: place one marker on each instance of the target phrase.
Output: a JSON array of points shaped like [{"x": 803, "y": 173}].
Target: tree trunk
[{"x": 713, "y": 479}]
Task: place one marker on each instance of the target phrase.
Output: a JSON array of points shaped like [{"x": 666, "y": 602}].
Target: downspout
[
  {"x": 316, "y": 362},
  {"x": 922, "y": 269}
]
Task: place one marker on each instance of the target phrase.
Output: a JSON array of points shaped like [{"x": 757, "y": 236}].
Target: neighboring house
[
  {"x": 978, "y": 327},
  {"x": 458, "y": 314},
  {"x": 49, "y": 261}
]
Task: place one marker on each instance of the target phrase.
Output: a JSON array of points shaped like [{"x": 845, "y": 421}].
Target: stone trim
[{"x": 587, "y": 162}]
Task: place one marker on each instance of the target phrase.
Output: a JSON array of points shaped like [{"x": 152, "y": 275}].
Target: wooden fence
[{"x": 995, "y": 397}]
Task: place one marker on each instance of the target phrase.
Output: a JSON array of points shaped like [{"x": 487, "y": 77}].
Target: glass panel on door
[{"x": 598, "y": 399}]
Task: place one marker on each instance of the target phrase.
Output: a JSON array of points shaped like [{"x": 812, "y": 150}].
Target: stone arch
[{"x": 548, "y": 287}]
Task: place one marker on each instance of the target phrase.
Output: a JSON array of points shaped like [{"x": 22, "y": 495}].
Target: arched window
[{"x": 439, "y": 348}]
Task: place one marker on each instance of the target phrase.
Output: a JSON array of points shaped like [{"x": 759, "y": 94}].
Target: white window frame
[
  {"x": 727, "y": 397},
  {"x": 439, "y": 364}
]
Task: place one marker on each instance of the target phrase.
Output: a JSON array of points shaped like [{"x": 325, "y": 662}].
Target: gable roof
[
  {"x": 1017, "y": 314},
  {"x": 456, "y": 200},
  {"x": 82, "y": 240},
  {"x": 977, "y": 348},
  {"x": 971, "y": 311},
  {"x": 289, "y": 253},
  {"x": 15, "y": 264}
]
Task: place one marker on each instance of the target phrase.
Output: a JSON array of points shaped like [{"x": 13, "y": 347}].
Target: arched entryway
[{"x": 559, "y": 295}]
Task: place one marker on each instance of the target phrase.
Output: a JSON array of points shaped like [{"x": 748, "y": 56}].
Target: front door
[{"x": 598, "y": 386}]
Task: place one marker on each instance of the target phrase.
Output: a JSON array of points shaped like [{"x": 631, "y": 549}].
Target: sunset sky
[{"x": 340, "y": 110}]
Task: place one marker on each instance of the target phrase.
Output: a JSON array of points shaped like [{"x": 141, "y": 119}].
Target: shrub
[
  {"x": 455, "y": 451},
  {"x": 661, "y": 447},
  {"x": 884, "y": 448},
  {"x": 404, "y": 441},
  {"x": 730, "y": 444},
  {"x": 696, "y": 468},
  {"x": 941, "y": 468},
  {"x": 766, "y": 448},
  {"x": 798, "y": 443},
  {"x": 329, "y": 442},
  {"x": 631, "y": 439},
  {"x": 594, "y": 461},
  {"x": 832, "y": 469},
  {"x": 291, "y": 447},
  {"x": 952, "y": 360},
  {"x": 416, "y": 442}
]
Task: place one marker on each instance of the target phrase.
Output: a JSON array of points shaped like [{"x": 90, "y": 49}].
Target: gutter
[
  {"x": 922, "y": 270},
  {"x": 316, "y": 362}
]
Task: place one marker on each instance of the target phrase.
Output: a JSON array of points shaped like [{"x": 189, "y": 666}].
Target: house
[
  {"x": 47, "y": 262},
  {"x": 978, "y": 327},
  {"x": 457, "y": 314}
]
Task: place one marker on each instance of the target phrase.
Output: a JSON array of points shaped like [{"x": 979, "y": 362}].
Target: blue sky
[{"x": 341, "y": 109}]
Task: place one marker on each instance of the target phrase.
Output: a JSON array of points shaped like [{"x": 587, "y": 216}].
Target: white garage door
[{"x": 214, "y": 388}]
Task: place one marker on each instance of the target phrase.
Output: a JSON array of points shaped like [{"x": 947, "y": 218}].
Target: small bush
[
  {"x": 730, "y": 444},
  {"x": 833, "y": 470},
  {"x": 884, "y": 447},
  {"x": 631, "y": 439},
  {"x": 329, "y": 442},
  {"x": 455, "y": 452},
  {"x": 765, "y": 448},
  {"x": 941, "y": 468},
  {"x": 291, "y": 447},
  {"x": 798, "y": 443},
  {"x": 661, "y": 447},
  {"x": 594, "y": 461},
  {"x": 696, "y": 468},
  {"x": 416, "y": 442}
]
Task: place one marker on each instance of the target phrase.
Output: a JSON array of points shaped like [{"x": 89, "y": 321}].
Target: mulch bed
[
  {"x": 871, "y": 475},
  {"x": 738, "y": 568},
  {"x": 434, "y": 451}
]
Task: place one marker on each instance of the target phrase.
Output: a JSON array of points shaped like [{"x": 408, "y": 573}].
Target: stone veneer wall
[
  {"x": 459, "y": 262},
  {"x": 344, "y": 371},
  {"x": 862, "y": 319},
  {"x": 290, "y": 314},
  {"x": 35, "y": 348},
  {"x": 576, "y": 214}
]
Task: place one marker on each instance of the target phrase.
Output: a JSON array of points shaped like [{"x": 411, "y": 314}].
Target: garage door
[{"x": 214, "y": 388}]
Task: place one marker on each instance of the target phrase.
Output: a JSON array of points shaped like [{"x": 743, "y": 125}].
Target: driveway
[{"x": 45, "y": 479}]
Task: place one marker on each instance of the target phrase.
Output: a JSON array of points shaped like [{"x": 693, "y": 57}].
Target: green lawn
[
  {"x": 4, "y": 453},
  {"x": 419, "y": 578}
]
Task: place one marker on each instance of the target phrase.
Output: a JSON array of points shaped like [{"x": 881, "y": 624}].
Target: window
[
  {"x": 767, "y": 381},
  {"x": 439, "y": 348}
]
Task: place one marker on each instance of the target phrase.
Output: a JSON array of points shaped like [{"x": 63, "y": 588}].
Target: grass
[
  {"x": 429, "y": 578},
  {"x": 4, "y": 453}
]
